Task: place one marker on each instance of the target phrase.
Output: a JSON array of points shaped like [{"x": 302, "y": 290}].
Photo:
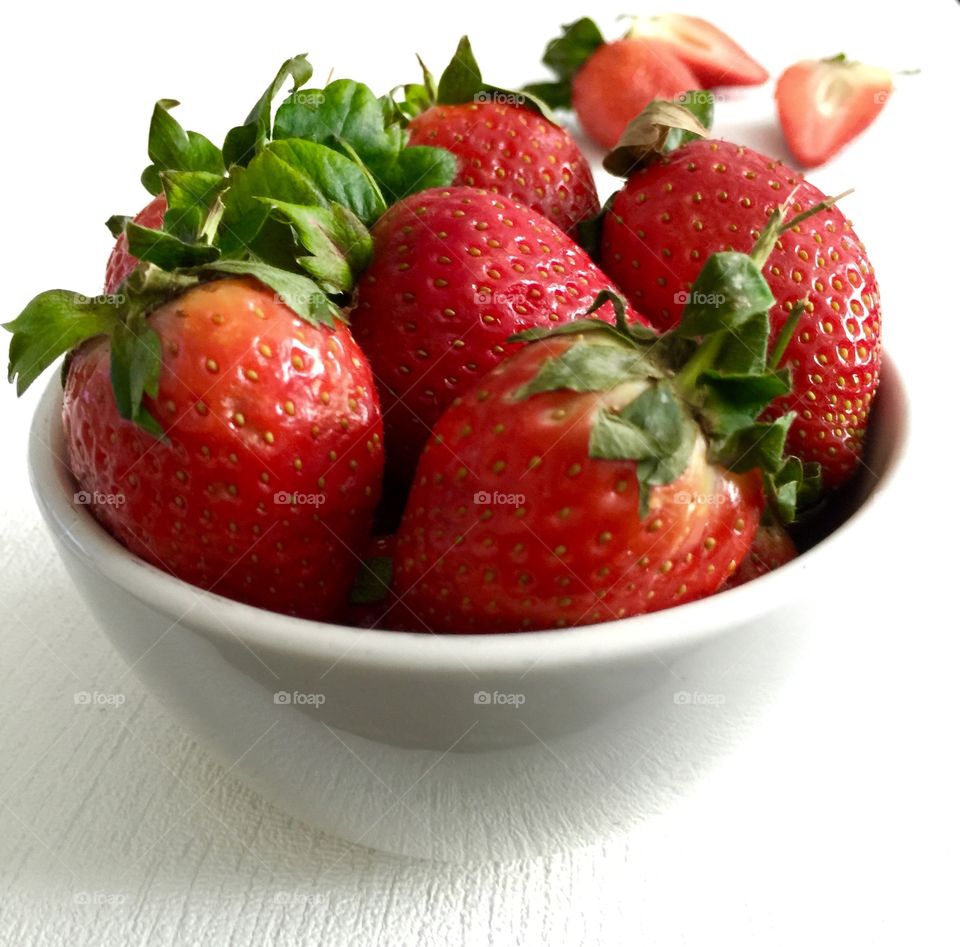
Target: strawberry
[
  {"x": 217, "y": 402},
  {"x": 600, "y": 472},
  {"x": 121, "y": 263},
  {"x": 677, "y": 209},
  {"x": 505, "y": 142},
  {"x": 264, "y": 483},
  {"x": 455, "y": 272},
  {"x": 714, "y": 58},
  {"x": 772, "y": 547},
  {"x": 608, "y": 84},
  {"x": 824, "y": 104}
]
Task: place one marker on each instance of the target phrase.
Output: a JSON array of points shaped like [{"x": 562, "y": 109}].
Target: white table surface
[{"x": 834, "y": 822}]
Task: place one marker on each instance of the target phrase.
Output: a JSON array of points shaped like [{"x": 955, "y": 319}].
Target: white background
[{"x": 835, "y": 820}]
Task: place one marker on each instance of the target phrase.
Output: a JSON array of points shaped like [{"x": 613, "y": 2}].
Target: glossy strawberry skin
[
  {"x": 455, "y": 273},
  {"x": 256, "y": 405},
  {"x": 620, "y": 79},
  {"x": 711, "y": 195},
  {"x": 122, "y": 263},
  {"x": 511, "y": 525},
  {"x": 511, "y": 150}
]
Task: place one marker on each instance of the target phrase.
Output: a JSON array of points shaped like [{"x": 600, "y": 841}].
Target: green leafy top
[
  {"x": 660, "y": 128},
  {"x": 462, "y": 82},
  {"x": 564, "y": 55},
  {"x": 286, "y": 201},
  {"x": 718, "y": 370}
]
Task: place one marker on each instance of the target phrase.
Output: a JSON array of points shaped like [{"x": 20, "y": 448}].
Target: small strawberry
[
  {"x": 455, "y": 273},
  {"x": 824, "y": 104},
  {"x": 505, "y": 142},
  {"x": 714, "y": 58},
  {"x": 608, "y": 84},
  {"x": 772, "y": 547},
  {"x": 122, "y": 263},
  {"x": 677, "y": 209},
  {"x": 600, "y": 472}
]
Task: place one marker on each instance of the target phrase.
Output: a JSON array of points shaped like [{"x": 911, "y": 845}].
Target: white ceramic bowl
[{"x": 459, "y": 747}]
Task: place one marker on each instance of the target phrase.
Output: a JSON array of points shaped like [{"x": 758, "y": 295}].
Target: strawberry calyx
[
  {"x": 714, "y": 374},
  {"x": 286, "y": 201},
  {"x": 660, "y": 128},
  {"x": 461, "y": 82},
  {"x": 563, "y": 56}
]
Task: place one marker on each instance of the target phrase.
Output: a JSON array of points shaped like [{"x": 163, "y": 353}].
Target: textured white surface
[{"x": 833, "y": 823}]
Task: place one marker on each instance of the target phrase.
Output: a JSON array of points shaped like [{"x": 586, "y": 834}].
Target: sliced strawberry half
[
  {"x": 824, "y": 104},
  {"x": 713, "y": 57}
]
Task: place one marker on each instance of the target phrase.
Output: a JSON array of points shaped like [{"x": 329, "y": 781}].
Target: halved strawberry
[
  {"x": 824, "y": 104},
  {"x": 714, "y": 58}
]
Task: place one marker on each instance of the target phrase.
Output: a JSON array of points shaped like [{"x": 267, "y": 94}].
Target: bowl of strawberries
[{"x": 438, "y": 501}]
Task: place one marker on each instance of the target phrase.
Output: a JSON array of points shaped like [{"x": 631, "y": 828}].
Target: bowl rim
[{"x": 259, "y": 629}]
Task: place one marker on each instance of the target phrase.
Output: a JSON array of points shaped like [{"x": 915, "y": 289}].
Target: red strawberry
[
  {"x": 503, "y": 143},
  {"x": 600, "y": 472},
  {"x": 455, "y": 272},
  {"x": 373, "y": 601},
  {"x": 708, "y": 195},
  {"x": 824, "y": 104},
  {"x": 122, "y": 263},
  {"x": 264, "y": 484},
  {"x": 714, "y": 58},
  {"x": 620, "y": 79},
  {"x": 772, "y": 547},
  {"x": 608, "y": 84}
]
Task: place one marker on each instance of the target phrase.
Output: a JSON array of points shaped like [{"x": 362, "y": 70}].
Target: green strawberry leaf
[
  {"x": 51, "y": 325},
  {"x": 564, "y": 55},
  {"x": 165, "y": 250},
  {"x": 661, "y": 127},
  {"x": 795, "y": 487},
  {"x": 338, "y": 243},
  {"x": 347, "y": 117},
  {"x": 732, "y": 401},
  {"x": 699, "y": 103},
  {"x": 373, "y": 581},
  {"x": 135, "y": 362},
  {"x": 246, "y": 140},
  {"x": 299, "y": 293},
  {"x": 585, "y": 366},
  {"x": 292, "y": 171},
  {"x": 653, "y": 430},
  {"x": 729, "y": 290},
  {"x": 170, "y": 148},
  {"x": 191, "y": 199},
  {"x": 759, "y": 445}
]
